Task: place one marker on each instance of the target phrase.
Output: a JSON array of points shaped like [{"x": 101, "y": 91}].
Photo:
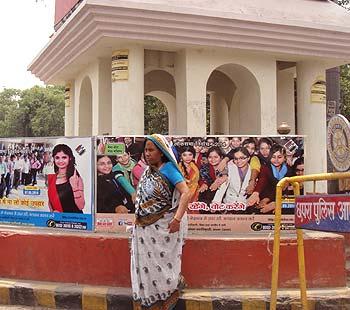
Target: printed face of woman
[
  {"x": 214, "y": 158},
  {"x": 123, "y": 159},
  {"x": 197, "y": 148},
  {"x": 277, "y": 159},
  {"x": 264, "y": 149},
  {"x": 299, "y": 169},
  {"x": 153, "y": 155},
  {"x": 240, "y": 159},
  {"x": 236, "y": 142},
  {"x": 187, "y": 157},
  {"x": 104, "y": 165},
  {"x": 61, "y": 160},
  {"x": 250, "y": 148}
]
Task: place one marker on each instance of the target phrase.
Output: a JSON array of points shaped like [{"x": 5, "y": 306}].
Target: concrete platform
[
  {"x": 75, "y": 297},
  {"x": 208, "y": 262}
]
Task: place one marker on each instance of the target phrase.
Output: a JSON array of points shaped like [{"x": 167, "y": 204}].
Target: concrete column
[
  {"x": 219, "y": 124},
  {"x": 285, "y": 98},
  {"x": 104, "y": 97},
  {"x": 95, "y": 85},
  {"x": 69, "y": 110},
  {"x": 212, "y": 100},
  {"x": 190, "y": 78},
  {"x": 128, "y": 96},
  {"x": 197, "y": 77},
  {"x": 234, "y": 114},
  {"x": 268, "y": 99},
  {"x": 311, "y": 120},
  {"x": 84, "y": 108},
  {"x": 181, "y": 92}
]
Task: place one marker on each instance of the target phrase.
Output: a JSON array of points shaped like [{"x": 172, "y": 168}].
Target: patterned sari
[{"x": 155, "y": 253}]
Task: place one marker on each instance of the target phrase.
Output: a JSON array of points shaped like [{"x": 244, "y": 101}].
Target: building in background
[{"x": 243, "y": 55}]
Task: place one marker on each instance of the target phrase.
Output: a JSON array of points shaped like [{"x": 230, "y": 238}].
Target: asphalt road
[{"x": 22, "y": 308}]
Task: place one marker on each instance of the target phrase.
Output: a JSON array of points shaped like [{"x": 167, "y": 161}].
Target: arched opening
[
  {"x": 160, "y": 103},
  {"x": 234, "y": 101},
  {"x": 156, "y": 116},
  {"x": 85, "y": 108}
]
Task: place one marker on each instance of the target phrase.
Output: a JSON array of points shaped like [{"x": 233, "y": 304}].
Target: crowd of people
[
  {"x": 20, "y": 167},
  {"x": 224, "y": 174}
]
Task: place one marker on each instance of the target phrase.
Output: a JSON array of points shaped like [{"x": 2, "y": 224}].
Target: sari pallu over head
[{"x": 156, "y": 195}]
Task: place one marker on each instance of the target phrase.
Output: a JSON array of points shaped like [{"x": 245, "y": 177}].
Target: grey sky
[{"x": 25, "y": 29}]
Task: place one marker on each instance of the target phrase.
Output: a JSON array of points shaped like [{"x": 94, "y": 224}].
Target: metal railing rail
[{"x": 295, "y": 181}]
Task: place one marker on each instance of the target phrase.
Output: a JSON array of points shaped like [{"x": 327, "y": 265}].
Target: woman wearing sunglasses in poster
[{"x": 233, "y": 192}]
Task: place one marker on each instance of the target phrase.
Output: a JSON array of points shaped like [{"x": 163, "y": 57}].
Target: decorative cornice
[{"x": 91, "y": 22}]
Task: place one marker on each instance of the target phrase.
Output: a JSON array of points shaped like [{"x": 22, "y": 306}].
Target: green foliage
[
  {"x": 38, "y": 111},
  {"x": 343, "y": 2},
  {"x": 156, "y": 116},
  {"x": 345, "y": 90}
]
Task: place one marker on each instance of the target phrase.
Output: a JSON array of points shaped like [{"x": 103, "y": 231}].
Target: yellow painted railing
[{"x": 295, "y": 181}]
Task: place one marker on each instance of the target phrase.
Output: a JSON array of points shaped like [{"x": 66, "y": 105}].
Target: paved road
[{"x": 22, "y": 308}]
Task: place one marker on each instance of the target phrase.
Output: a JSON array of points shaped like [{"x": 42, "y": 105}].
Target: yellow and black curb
[
  {"x": 64, "y": 296},
  {"x": 82, "y": 297}
]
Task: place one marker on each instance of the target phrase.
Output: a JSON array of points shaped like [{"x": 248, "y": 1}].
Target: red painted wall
[
  {"x": 207, "y": 263},
  {"x": 62, "y": 7}
]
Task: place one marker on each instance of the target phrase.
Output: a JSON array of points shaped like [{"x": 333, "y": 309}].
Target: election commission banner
[
  {"x": 232, "y": 180},
  {"x": 47, "y": 182}
]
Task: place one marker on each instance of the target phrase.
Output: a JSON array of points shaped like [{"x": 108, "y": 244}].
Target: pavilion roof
[{"x": 305, "y": 28}]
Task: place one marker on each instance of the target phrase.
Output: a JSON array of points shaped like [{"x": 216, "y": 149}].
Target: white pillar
[
  {"x": 181, "y": 94},
  {"x": 212, "y": 98},
  {"x": 222, "y": 117},
  {"x": 268, "y": 99},
  {"x": 234, "y": 114},
  {"x": 311, "y": 120},
  {"x": 128, "y": 96},
  {"x": 219, "y": 124},
  {"x": 190, "y": 78},
  {"x": 104, "y": 97},
  {"x": 69, "y": 109},
  {"x": 84, "y": 108},
  {"x": 285, "y": 98}
]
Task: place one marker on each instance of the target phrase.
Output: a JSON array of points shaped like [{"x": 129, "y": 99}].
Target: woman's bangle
[{"x": 177, "y": 220}]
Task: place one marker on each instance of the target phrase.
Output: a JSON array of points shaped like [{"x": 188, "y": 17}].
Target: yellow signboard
[
  {"x": 318, "y": 91},
  {"x": 120, "y": 65},
  {"x": 67, "y": 96}
]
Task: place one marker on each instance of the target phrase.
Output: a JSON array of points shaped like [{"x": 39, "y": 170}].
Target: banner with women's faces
[
  {"x": 232, "y": 180},
  {"x": 47, "y": 182}
]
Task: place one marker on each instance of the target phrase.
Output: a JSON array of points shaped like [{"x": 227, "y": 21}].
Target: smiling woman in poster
[
  {"x": 65, "y": 186},
  {"x": 239, "y": 173},
  {"x": 265, "y": 190},
  {"x": 111, "y": 197},
  {"x": 159, "y": 230}
]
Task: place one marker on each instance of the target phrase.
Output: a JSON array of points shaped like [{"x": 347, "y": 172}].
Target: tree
[
  {"x": 343, "y": 3},
  {"x": 345, "y": 90},
  {"x": 345, "y": 76},
  {"x": 156, "y": 116},
  {"x": 38, "y": 111}
]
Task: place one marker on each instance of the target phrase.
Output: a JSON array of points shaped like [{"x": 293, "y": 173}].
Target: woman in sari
[{"x": 159, "y": 230}]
